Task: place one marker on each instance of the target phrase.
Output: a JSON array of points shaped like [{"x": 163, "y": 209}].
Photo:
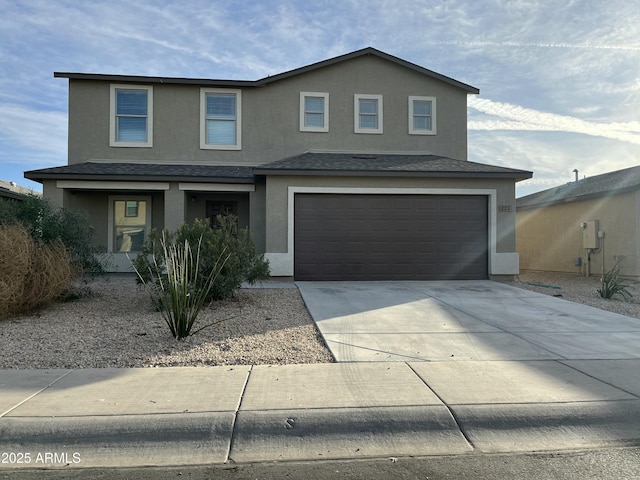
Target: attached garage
[
  {"x": 390, "y": 237},
  {"x": 383, "y": 216}
]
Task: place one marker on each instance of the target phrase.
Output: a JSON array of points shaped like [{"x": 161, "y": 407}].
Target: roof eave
[
  {"x": 518, "y": 176},
  {"x": 6, "y": 193},
  {"x": 40, "y": 177},
  {"x": 269, "y": 79},
  {"x": 155, "y": 80},
  {"x": 577, "y": 198}
]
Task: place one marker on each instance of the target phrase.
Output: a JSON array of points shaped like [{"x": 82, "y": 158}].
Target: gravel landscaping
[
  {"x": 580, "y": 289},
  {"x": 117, "y": 327}
]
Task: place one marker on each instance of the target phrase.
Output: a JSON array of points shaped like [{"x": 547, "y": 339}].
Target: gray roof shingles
[
  {"x": 333, "y": 164},
  {"x": 144, "y": 171},
  {"x": 612, "y": 183},
  {"x": 6, "y": 193},
  {"x": 384, "y": 164}
]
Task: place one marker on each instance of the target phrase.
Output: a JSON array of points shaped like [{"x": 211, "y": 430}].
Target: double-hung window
[
  {"x": 367, "y": 113},
  {"x": 422, "y": 115},
  {"x": 131, "y": 122},
  {"x": 220, "y": 119},
  {"x": 314, "y": 112}
]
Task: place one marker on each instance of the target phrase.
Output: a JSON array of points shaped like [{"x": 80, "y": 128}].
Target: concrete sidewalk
[
  {"x": 180, "y": 416},
  {"x": 468, "y": 368}
]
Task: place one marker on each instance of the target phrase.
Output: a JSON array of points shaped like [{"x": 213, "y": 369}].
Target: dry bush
[{"x": 31, "y": 275}]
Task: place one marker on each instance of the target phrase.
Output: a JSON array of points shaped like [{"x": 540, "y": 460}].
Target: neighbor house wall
[{"x": 550, "y": 238}]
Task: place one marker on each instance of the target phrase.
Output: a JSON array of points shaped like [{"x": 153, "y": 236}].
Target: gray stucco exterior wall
[
  {"x": 270, "y": 131},
  {"x": 270, "y": 118}
]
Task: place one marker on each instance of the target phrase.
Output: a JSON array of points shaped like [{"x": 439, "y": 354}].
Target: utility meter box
[{"x": 590, "y": 234}]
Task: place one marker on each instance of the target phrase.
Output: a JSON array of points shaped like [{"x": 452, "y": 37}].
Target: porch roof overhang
[
  {"x": 387, "y": 165},
  {"x": 138, "y": 172}
]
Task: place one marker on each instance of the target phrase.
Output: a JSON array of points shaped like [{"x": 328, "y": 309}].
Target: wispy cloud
[
  {"x": 504, "y": 116},
  {"x": 632, "y": 48},
  {"x": 34, "y": 129}
]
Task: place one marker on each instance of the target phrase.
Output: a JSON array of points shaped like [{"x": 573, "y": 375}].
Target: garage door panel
[
  {"x": 308, "y": 247},
  {"x": 384, "y": 237}
]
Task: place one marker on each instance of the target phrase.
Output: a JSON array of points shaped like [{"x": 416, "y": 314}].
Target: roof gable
[
  {"x": 612, "y": 183},
  {"x": 377, "y": 53},
  {"x": 269, "y": 79}
]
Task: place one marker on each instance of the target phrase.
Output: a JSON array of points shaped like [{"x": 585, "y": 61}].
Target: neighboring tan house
[
  {"x": 577, "y": 226},
  {"x": 6, "y": 194},
  {"x": 350, "y": 168},
  {"x": 12, "y": 191}
]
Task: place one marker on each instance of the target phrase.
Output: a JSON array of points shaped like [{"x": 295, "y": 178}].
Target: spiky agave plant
[
  {"x": 612, "y": 284},
  {"x": 175, "y": 289}
]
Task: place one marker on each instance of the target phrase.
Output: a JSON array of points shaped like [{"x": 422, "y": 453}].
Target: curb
[
  {"x": 511, "y": 428},
  {"x": 346, "y": 433},
  {"x": 116, "y": 441}
]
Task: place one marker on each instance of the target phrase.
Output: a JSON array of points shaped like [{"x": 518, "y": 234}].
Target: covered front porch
[{"x": 123, "y": 210}]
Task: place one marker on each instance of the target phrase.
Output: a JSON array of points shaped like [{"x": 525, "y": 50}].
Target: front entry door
[{"x": 218, "y": 207}]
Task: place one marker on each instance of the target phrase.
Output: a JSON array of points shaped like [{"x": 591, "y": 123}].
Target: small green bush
[
  {"x": 612, "y": 284},
  {"x": 177, "y": 290},
  {"x": 243, "y": 263}
]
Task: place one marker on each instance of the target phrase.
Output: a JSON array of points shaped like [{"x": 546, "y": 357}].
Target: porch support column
[
  {"x": 174, "y": 207},
  {"x": 52, "y": 193}
]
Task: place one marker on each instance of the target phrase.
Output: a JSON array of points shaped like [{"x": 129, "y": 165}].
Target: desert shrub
[
  {"x": 612, "y": 284},
  {"x": 177, "y": 291},
  {"x": 48, "y": 225},
  {"x": 242, "y": 261},
  {"x": 32, "y": 273}
]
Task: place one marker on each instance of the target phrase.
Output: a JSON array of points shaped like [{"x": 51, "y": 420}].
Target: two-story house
[{"x": 351, "y": 168}]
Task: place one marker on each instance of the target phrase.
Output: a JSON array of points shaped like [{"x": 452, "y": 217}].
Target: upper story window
[
  {"x": 422, "y": 115},
  {"x": 314, "y": 112},
  {"x": 131, "y": 122},
  {"x": 367, "y": 113},
  {"x": 220, "y": 119}
]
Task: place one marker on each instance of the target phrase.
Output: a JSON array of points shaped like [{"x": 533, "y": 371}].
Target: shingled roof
[
  {"x": 310, "y": 163},
  {"x": 6, "y": 193},
  {"x": 612, "y": 183},
  {"x": 144, "y": 171},
  {"x": 384, "y": 164}
]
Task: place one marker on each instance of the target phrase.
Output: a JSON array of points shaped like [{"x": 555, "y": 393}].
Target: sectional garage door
[{"x": 390, "y": 237}]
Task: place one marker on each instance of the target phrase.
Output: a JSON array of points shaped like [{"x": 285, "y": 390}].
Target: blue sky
[{"x": 559, "y": 81}]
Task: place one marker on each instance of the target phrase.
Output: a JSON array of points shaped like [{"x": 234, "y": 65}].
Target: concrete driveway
[{"x": 462, "y": 320}]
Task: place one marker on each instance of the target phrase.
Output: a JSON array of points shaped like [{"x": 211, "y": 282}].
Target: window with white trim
[
  {"x": 314, "y": 112},
  {"x": 422, "y": 115},
  {"x": 367, "y": 113},
  {"x": 129, "y": 223},
  {"x": 131, "y": 116},
  {"x": 220, "y": 119}
]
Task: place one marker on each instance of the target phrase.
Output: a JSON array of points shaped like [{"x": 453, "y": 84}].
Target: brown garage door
[{"x": 390, "y": 237}]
